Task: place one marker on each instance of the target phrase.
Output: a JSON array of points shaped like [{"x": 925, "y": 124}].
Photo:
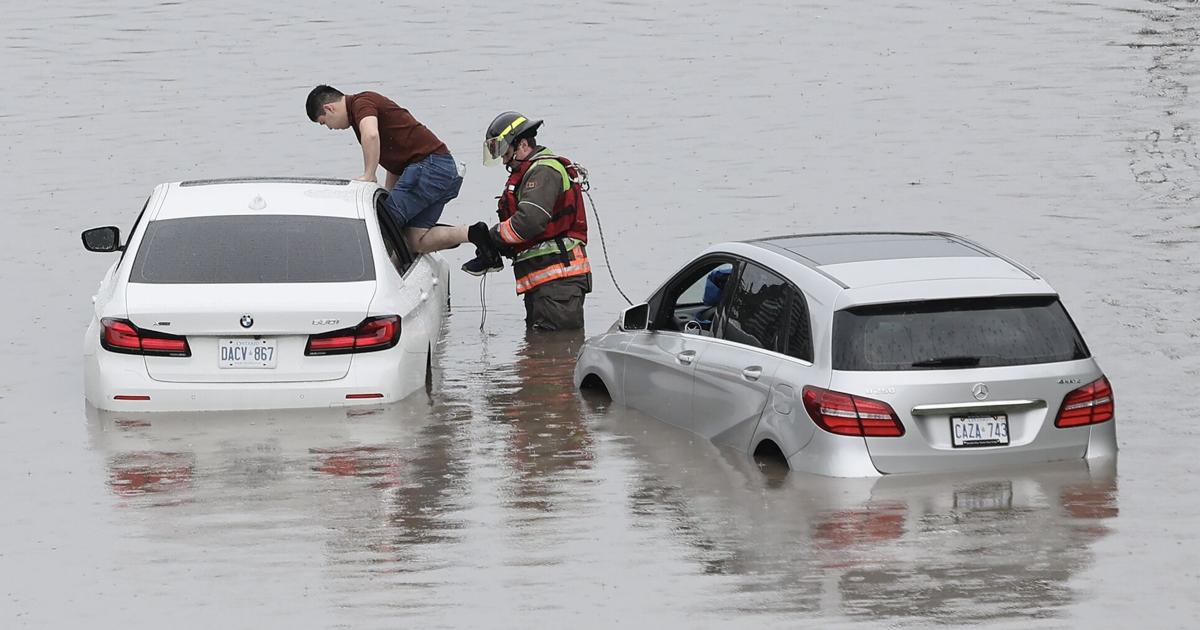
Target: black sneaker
[
  {"x": 487, "y": 258},
  {"x": 482, "y": 264}
]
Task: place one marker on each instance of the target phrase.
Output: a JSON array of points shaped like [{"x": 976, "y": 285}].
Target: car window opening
[
  {"x": 394, "y": 242},
  {"x": 739, "y": 302},
  {"x": 691, "y": 304}
]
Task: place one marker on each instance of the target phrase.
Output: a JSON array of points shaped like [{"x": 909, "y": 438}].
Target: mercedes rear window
[
  {"x": 955, "y": 334},
  {"x": 254, "y": 249}
]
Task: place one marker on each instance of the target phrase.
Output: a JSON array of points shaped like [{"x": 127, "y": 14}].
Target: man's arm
[
  {"x": 389, "y": 182},
  {"x": 368, "y": 129},
  {"x": 536, "y": 198}
]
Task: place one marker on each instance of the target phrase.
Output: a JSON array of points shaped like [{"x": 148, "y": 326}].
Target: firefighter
[{"x": 542, "y": 227}]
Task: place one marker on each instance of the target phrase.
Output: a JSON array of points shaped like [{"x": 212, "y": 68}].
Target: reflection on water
[
  {"x": 396, "y": 490},
  {"x": 545, "y": 435},
  {"x": 138, "y": 473},
  {"x": 955, "y": 550}
]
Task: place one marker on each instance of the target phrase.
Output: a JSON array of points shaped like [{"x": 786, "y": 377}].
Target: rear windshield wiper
[{"x": 951, "y": 361}]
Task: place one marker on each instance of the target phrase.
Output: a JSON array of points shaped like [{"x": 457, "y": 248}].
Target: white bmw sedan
[{"x": 261, "y": 293}]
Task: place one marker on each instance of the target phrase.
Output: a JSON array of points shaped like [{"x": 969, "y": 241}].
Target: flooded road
[{"x": 1063, "y": 135}]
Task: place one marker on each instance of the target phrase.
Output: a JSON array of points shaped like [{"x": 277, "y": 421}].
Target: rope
[
  {"x": 483, "y": 300},
  {"x": 604, "y": 246}
]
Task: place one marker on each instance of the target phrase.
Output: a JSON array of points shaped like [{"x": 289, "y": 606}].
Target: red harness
[{"x": 568, "y": 217}]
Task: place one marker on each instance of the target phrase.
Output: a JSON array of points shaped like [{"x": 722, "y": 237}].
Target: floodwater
[{"x": 1062, "y": 134}]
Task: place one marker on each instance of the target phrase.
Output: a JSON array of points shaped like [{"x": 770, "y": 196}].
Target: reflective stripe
[
  {"x": 507, "y": 233},
  {"x": 547, "y": 247},
  {"x": 510, "y": 127},
  {"x": 544, "y": 211},
  {"x": 546, "y": 157},
  {"x": 579, "y": 266},
  {"x": 553, "y": 272}
]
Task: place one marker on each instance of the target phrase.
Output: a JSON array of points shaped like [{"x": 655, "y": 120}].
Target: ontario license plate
[
  {"x": 246, "y": 354},
  {"x": 966, "y": 431}
]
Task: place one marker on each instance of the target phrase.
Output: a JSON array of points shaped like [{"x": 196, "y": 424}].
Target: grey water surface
[{"x": 1062, "y": 134}]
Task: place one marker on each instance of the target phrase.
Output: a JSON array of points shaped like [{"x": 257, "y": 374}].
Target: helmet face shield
[
  {"x": 494, "y": 150},
  {"x": 501, "y": 135}
]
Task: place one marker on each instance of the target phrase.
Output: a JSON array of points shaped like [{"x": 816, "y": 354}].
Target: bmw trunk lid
[{"x": 248, "y": 332}]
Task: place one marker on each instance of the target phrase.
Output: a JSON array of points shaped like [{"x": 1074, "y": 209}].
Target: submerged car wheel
[
  {"x": 594, "y": 384},
  {"x": 770, "y": 458}
]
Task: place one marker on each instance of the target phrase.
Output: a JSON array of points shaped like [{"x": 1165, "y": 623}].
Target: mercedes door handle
[
  {"x": 752, "y": 373},
  {"x": 686, "y": 357}
]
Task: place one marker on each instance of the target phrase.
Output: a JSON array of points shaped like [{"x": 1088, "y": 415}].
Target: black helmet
[{"x": 503, "y": 132}]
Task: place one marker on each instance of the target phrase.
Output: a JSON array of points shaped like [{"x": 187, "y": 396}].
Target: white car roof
[
  {"x": 846, "y": 269},
  {"x": 259, "y": 196},
  {"x": 863, "y": 259}
]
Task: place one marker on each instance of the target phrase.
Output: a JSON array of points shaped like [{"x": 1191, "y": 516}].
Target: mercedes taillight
[
  {"x": 1090, "y": 404},
  {"x": 846, "y": 414},
  {"x": 374, "y": 333},
  {"x": 121, "y": 335}
]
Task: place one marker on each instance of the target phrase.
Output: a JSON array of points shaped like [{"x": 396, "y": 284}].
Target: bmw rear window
[
  {"x": 955, "y": 334},
  {"x": 254, "y": 249}
]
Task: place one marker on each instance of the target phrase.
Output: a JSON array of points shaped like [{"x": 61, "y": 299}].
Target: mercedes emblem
[{"x": 979, "y": 391}]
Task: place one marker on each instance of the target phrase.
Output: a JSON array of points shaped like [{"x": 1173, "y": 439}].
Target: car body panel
[
  {"x": 870, "y": 273},
  {"x": 1028, "y": 395},
  {"x": 287, "y": 313},
  {"x": 642, "y": 370},
  {"x": 784, "y": 421},
  {"x": 732, "y": 384},
  {"x": 208, "y": 314},
  {"x": 938, "y": 290},
  {"x": 604, "y": 358},
  {"x": 182, "y": 200},
  {"x": 658, "y": 374}
]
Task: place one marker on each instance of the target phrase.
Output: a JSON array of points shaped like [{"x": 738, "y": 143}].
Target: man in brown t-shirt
[{"x": 421, "y": 174}]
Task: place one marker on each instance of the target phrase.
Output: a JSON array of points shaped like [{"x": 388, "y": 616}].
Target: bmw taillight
[
  {"x": 1090, "y": 404},
  {"x": 121, "y": 335},
  {"x": 374, "y": 333},
  {"x": 846, "y": 414}
]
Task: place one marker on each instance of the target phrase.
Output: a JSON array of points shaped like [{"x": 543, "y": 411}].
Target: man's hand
[{"x": 366, "y": 178}]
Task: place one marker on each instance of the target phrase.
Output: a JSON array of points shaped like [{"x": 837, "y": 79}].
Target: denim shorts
[{"x": 423, "y": 190}]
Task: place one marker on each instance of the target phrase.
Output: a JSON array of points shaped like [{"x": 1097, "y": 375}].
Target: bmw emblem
[
  {"x": 979, "y": 391},
  {"x": 248, "y": 321}
]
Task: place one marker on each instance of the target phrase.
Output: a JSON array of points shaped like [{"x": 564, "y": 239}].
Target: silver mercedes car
[{"x": 860, "y": 354}]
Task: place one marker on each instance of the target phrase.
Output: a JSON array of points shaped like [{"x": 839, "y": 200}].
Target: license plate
[
  {"x": 246, "y": 354},
  {"x": 968, "y": 431}
]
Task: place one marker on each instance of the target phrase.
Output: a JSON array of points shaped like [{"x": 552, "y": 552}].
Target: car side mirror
[
  {"x": 636, "y": 317},
  {"x": 102, "y": 239}
]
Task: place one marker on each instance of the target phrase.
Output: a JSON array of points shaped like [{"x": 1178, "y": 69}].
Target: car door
[
  {"x": 735, "y": 373},
  {"x": 418, "y": 279},
  {"x": 784, "y": 419},
  {"x": 658, "y": 374},
  {"x": 660, "y": 361}
]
